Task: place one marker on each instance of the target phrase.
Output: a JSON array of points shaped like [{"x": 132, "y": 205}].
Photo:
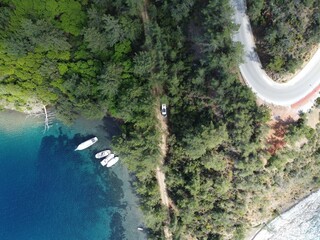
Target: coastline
[
  {"x": 32, "y": 107},
  {"x": 131, "y": 214},
  {"x": 253, "y": 233},
  {"x": 21, "y": 120}
]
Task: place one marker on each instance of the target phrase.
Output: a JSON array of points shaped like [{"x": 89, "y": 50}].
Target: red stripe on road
[{"x": 304, "y": 100}]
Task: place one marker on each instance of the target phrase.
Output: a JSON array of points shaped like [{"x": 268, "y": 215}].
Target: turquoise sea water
[{"x": 50, "y": 192}]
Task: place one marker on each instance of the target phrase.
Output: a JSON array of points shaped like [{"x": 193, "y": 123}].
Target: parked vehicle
[{"x": 164, "y": 110}]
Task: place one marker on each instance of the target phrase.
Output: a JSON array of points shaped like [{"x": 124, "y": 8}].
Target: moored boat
[
  {"x": 107, "y": 159},
  {"x": 103, "y": 162},
  {"x": 112, "y": 161},
  {"x": 103, "y": 154},
  {"x": 87, "y": 143}
]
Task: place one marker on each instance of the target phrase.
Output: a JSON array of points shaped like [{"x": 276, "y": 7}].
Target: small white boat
[
  {"x": 103, "y": 154},
  {"x": 103, "y": 162},
  {"x": 107, "y": 159},
  {"x": 140, "y": 228},
  {"x": 87, "y": 143},
  {"x": 112, "y": 162}
]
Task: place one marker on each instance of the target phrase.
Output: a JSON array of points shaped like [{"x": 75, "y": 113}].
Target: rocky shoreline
[{"x": 300, "y": 221}]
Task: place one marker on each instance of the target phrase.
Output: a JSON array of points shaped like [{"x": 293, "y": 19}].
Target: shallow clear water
[{"x": 50, "y": 192}]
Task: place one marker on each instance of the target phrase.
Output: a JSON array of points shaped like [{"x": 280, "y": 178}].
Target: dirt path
[
  {"x": 159, "y": 173},
  {"x": 165, "y": 200},
  {"x": 162, "y": 185},
  {"x": 144, "y": 12},
  {"x": 164, "y": 134}
]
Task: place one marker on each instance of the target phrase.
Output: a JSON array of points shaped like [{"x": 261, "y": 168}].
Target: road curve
[{"x": 284, "y": 94}]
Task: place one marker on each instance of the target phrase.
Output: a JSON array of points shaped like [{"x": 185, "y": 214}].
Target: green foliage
[
  {"x": 45, "y": 55},
  {"x": 276, "y": 64},
  {"x": 217, "y": 158},
  {"x": 203, "y": 140},
  {"x": 214, "y": 161},
  {"x": 94, "y": 58},
  {"x": 277, "y": 161},
  {"x": 317, "y": 103},
  {"x": 65, "y": 14},
  {"x": 255, "y": 9},
  {"x": 106, "y": 31},
  {"x": 284, "y": 34},
  {"x": 96, "y": 40}
]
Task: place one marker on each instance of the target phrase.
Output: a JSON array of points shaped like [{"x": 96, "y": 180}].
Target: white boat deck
[
  {"x": 87, "y": 144},
  {"x": 102, "y": 154}
]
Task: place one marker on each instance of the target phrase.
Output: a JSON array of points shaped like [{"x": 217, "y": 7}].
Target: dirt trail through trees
[
  {"x": 159, "y": 173},
  {"x": 165, "y": 200},
  {"x": 161, "y": 180}
]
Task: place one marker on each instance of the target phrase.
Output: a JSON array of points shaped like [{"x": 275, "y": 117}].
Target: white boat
[
  {"x": 103, "y": 162},
  {"x": 87, "y": 143},
  {"x": 112, "y": 162},
  {"x": 103, "y": 154},
  {"x": 107, "y": 159}
]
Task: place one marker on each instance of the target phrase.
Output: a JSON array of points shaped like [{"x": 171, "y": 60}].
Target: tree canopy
[
  {"x": 285, "y": 31},
  {"x": 94, "y": 57}
]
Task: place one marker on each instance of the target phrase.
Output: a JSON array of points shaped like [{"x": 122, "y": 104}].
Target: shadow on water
[
  {"x": 117, "y": 229},
  {"x": 111, "y": 126},
  {"x": 116, "y": 224},
  {"x": 81, "y": 197}
]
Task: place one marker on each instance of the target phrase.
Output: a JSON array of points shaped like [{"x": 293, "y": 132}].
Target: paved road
[{"x": 284, "y": 94}]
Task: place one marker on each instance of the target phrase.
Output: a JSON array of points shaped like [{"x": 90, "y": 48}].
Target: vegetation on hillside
[
  {"x": 97, "y": 57},
  {"x": 219, "y": 170},
  {"x": 285, "y": 31},
  {"x": 88, "y": 58},
  {"x": 74, "y": 55}
]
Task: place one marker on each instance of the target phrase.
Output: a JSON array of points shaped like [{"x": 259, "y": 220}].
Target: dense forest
[
  {"x": 122, "y": 58},
  {"x": 64, "y": 54},
  {"x": 285, "y": 32}
]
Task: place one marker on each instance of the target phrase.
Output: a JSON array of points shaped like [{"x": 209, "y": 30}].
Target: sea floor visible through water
[{"x": 48, "y": 191}]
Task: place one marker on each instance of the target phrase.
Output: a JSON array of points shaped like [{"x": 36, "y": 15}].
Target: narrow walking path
[
  {"x": 162, "y": 185},
  {"x": 159, "y": 173},
  {"x": 165, "y": 200}
]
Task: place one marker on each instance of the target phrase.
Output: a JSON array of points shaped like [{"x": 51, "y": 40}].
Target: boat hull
[
  {"x": 87, "y": 144},
  {"x": 102, "y": 154},
  {"x": 105, "y": 161},
  {"x": 112, "y": 162}
]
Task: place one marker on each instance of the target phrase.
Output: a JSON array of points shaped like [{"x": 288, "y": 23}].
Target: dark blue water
[{"x": 50, "y": 192}]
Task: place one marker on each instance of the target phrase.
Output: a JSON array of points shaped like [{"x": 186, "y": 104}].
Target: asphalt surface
[{"x": 284, "y": 94}]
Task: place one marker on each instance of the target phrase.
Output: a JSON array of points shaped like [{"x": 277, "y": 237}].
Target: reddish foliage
[{"x": 276, "y": 139}]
